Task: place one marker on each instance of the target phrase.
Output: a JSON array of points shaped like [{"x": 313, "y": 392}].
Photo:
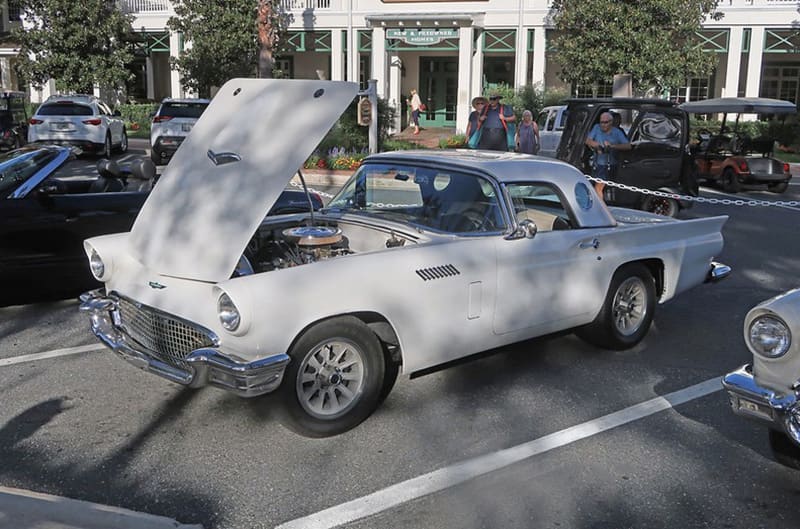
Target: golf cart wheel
[
  {"x": 667, "y": 207},
  {"x": 730, "y": 181},
  {"x": 778, "y": 188}
]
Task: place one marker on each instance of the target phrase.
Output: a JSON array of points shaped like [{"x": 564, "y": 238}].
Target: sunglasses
[
  {"x": 494, "y": 98},
  {"x": 605, "y": 121}
]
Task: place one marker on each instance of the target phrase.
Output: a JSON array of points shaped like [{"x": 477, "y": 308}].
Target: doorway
[{"x": 438, "y": 89}]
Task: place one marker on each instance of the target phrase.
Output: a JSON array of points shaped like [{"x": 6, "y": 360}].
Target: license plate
[
  {"x": 186, "y": 127},
  {"x": 61, "y": 127},
  {"x": 754, "y": 408}
]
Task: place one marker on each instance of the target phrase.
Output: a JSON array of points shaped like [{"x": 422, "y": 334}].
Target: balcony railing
[
  {"x": 299, "y": 5},
  {"x": 144, "y": 6}
]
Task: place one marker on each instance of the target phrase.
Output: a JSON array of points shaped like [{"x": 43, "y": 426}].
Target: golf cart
[{"x": 732, "y": 159}]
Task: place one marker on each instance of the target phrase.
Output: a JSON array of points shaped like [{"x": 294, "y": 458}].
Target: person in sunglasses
[
  {"x": 605, "y": 140},
  {"x": 494, "y": 119}
]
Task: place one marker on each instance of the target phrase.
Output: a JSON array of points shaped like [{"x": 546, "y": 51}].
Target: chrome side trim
[
  {"x": 717, "y": 272},
  {"x": 748, "y": 399},
  {"x": 206, "y": 366}
]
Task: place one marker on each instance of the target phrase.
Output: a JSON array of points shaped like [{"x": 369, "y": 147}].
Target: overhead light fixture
[
  {"x": 400, "y": 23},
  {"x": 383, "y": 23},
  {"x": 419, "y": 23},
  {"x": 435, "y": 22}
]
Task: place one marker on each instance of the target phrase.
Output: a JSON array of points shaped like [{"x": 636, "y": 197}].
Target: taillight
[
  {"x": 159, "y": 119},
  {"x": 6, "y": 134},
  {"x": 34, "y": 121},
  {"x": 786, "y": 168},
  {"x": 743, "y": 166},
  {"x": 93, "y": 121}
]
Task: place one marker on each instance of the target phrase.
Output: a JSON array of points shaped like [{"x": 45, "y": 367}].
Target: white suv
[
  {"x": 81, "y": 120},
  {"x": 171, "y": 124}
]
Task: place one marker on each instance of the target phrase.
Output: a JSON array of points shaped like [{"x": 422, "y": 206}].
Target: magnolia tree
[
  {"x": 655, "y": 41},
  {"x": 79, "y": 44},
  {"x": 228, "y": 39}
]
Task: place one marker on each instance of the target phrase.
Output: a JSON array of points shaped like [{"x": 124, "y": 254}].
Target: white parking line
[
  {"x": 50, "y": 354},
  {"x": 444, "y": 478}
]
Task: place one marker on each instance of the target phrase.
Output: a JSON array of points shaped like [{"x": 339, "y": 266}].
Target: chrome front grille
[{"x": 167, "y": 337}]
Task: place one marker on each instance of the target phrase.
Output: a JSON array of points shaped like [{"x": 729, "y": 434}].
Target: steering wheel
[{"x": 475, "y": 221}]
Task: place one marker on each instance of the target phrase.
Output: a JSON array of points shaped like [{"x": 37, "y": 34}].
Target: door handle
[{"x": 585, "y": 245}]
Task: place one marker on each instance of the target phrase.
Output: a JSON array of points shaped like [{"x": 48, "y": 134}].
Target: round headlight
[
  {"x": 97, "y": 265},
  {"x": 228, "y": 313},
  {"x": 769, "y": 336}
]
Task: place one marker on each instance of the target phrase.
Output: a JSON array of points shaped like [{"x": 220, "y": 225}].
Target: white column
[
  {"x": 466, "y": 36},
  {"x": 337, "y": 56},
  {"x": 521, "y": 62},
  {"x": 539, "y": 57},
  {"x": 379, "y": 59},
  {"x": 753, "y": 86},
  {"x": 175, "y": 88},
  {"x": 148, "y": 73},
  {"x": 5, "y": 73},
  {"x": 352, "y": 56},
  {"x": 395, "y": 89},
  {"x": 477, "y": 65},
  {"x": 731, "y": 87}
]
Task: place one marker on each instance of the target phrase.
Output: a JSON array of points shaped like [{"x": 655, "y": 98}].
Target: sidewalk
[{"x": 22, "y": 509}]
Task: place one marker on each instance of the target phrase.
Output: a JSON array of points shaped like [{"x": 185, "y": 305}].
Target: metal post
[{"x": 372, "y": 89}]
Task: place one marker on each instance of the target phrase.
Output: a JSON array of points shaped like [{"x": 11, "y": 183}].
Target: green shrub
[
  {"x": 137, "y": 117},
  {"x": 453, "y": 142}
]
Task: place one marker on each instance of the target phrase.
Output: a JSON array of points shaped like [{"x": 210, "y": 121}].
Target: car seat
[
  {"x": 142, "y": 175},
  {"x": 109, "y": 179}
]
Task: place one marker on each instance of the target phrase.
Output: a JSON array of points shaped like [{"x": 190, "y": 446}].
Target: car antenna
[{"x": 308, "y": 197}]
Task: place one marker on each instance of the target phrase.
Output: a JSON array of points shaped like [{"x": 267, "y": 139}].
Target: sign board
[
  {"x": 364, "y": 112},
  {"x": 421, "y": 37}
]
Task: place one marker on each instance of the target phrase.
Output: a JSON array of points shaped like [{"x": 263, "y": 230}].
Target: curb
[
  {"x": 23, "y": 508},
  {"x": 324, "y": 178}
]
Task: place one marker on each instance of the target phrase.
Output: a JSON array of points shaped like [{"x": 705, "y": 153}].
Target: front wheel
[
  {"x": 668, "y": 207},
  {"x": 784, "y": 450},
  {"x": 335, "y": 378},
  {"x": 627, "y": 311}
]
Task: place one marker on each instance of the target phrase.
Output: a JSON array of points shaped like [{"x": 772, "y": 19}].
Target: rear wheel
[
  {"x": 123, "y": 142},
  {"x": 661, "y": 206},
  {"x": 627, "y": 310},
  {"x": 778, "y": 188},
  {"x": 730, "y": 181},
  {"x": 335, "y": 378},
  {"x": 106, "y": 152}
]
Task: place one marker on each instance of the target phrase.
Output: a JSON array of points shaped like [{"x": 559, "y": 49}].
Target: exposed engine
[{"x": 282, "y": 247}]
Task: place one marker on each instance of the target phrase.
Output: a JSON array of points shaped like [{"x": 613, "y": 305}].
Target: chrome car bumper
[
  {"x": 748, "y": 399},
  {"x": 197, "y": 367}
]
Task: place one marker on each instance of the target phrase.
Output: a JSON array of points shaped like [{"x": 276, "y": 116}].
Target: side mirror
[
  {"x": 117, "y": 113},
  {"x": 526, "y": 229}
]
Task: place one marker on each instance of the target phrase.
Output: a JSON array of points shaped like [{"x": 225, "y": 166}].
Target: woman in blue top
[{"x": 605, "y": 140}]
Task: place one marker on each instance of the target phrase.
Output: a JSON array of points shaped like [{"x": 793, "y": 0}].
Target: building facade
[{"x": 451, "y": 51}]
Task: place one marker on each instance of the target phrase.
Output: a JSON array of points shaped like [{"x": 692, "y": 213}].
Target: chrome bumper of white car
[
  {"x": 748, "y": 399},
  {"x": 196, "y": 367}
]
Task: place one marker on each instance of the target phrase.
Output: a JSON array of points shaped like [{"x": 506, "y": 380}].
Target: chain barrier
[
  {"x": 699, "y": 200},
  {"x": 311, "y": 190}
]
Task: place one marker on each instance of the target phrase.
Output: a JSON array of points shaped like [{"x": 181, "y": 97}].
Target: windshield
[
  {"x": 441, "y": 200},
  {"x": 19, "y": 165}
]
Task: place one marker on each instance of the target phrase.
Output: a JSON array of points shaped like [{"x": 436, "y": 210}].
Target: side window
[
  {"x": 542, "y": 204},
  {"x": 541, "y": 119},
  {"x": 551, "y": 120},
  {"x": 562, "y": 119}
]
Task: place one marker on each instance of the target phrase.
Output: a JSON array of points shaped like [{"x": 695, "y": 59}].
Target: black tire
[
  {"x": 123, "y": 142},
  {"x": 319, "y": 398},
  {"x": 784, "y": 450},
  {"x": 730, "y": 181},
  {"x": 106, "y": 152},
  {"x": 668, "y": 207},
  {"x": 627, "y": 310},
  {"x": 778, "y": 188},
  {"x": 391, "y": 371}
]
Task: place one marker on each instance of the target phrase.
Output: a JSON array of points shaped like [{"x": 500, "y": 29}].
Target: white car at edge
[{"x": 423, "y": 257}]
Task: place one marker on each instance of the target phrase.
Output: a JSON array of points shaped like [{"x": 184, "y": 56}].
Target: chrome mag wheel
[
  {"x": 330, "y": 379},
  {"x": 630, "y": 306}
]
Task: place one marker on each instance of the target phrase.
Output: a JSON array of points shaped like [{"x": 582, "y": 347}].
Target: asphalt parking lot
[{"x": 545, "y": 433}]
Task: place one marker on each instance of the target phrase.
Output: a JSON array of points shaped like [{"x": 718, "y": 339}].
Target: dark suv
[
  {"x": 659, "y": 159},
  {"x": 13, "y": 120}
]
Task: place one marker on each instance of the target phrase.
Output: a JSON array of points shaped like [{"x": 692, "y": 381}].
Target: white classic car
[
  {"x": 768, "y": 389},
  {"x": 423, "y": 257}
]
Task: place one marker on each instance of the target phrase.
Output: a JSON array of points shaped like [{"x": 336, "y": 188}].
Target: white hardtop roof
[{"x": 503, "y": 166}]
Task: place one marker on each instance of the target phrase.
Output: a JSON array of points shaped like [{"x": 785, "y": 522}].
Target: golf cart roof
[{"x": 739, "y": 105}]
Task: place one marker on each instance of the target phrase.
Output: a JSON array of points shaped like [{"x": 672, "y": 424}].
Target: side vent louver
[{"x": 438, "y": 272}]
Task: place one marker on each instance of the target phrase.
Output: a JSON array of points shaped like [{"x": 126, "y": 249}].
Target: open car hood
[
  {"x": 230, "y": 170},
  {"x": 739, "y": 105}
]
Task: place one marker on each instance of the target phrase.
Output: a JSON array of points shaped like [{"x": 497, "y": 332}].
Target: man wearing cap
[
  {"x": 605, "y": 140},
  {"x": 493, "y": 120}
]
